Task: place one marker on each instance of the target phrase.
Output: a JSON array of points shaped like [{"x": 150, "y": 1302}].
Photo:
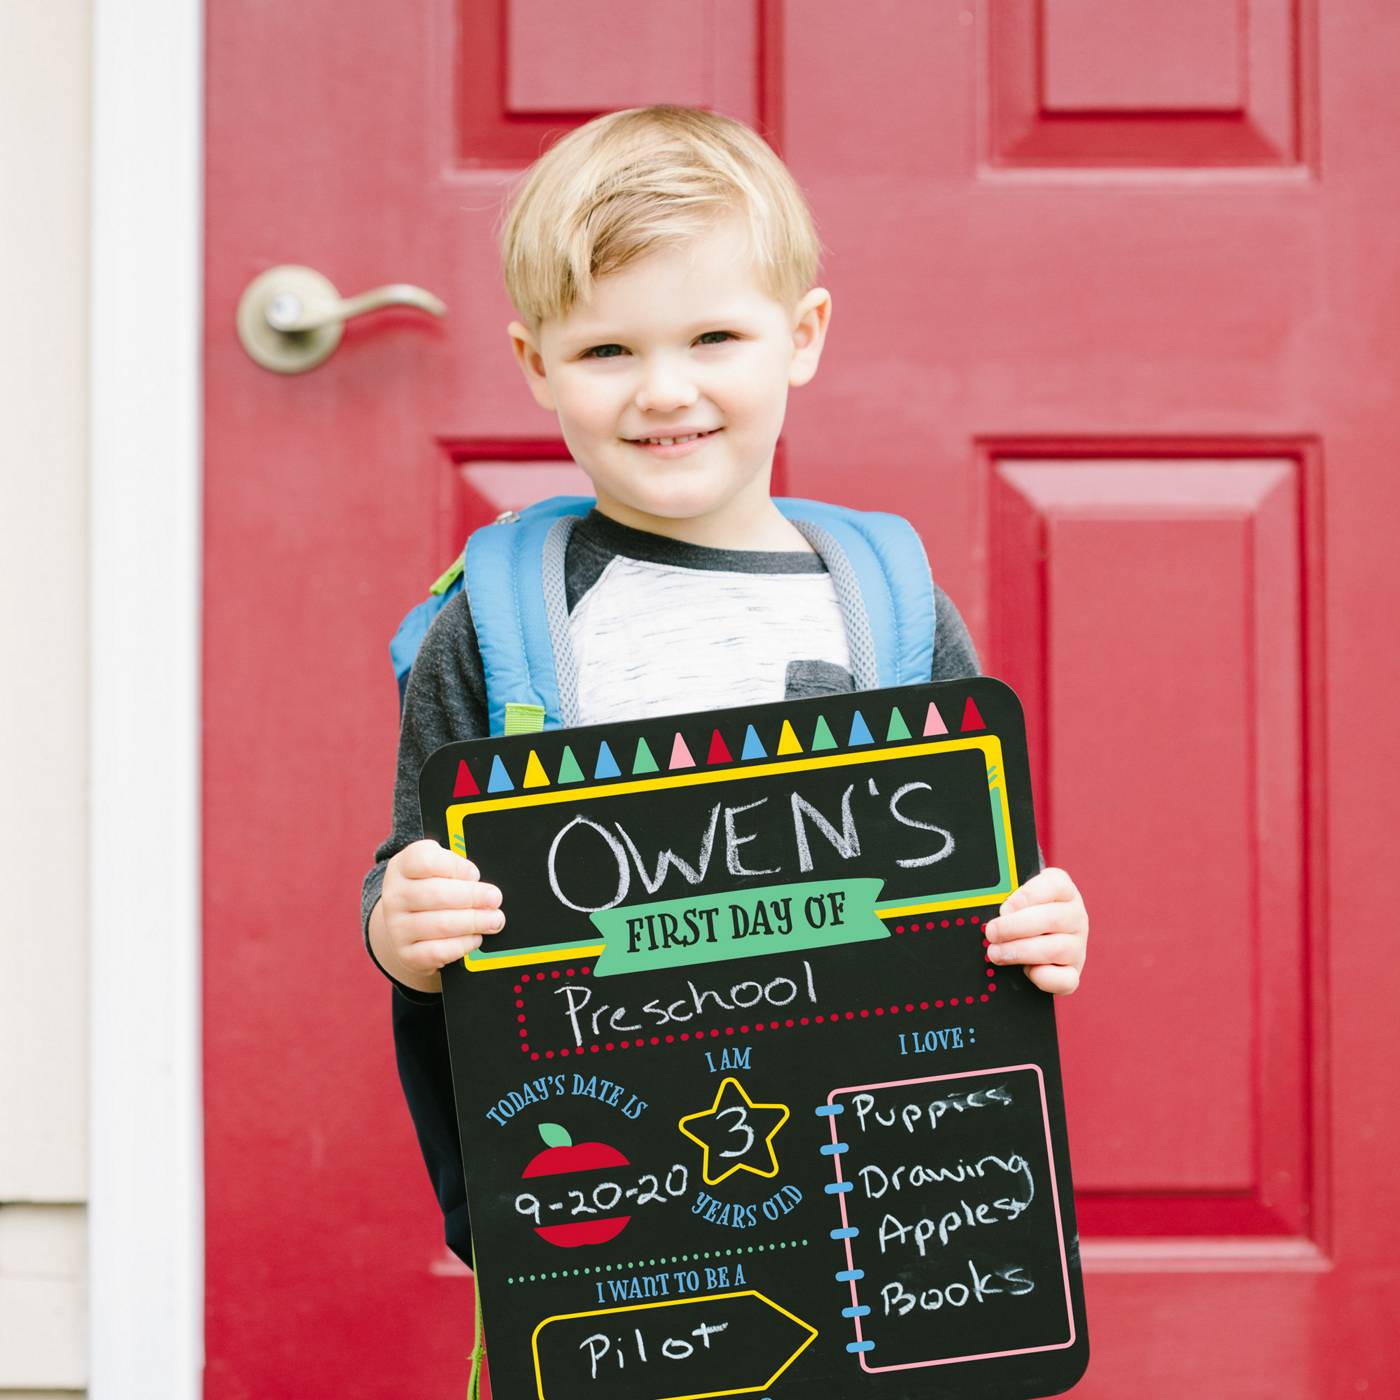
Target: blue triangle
[
  {"x": 860, "y": 731},
  {"x": 752, "y": 747},
  {"x": 607, "y": 764},
  {"x": 500, "y": 779}
]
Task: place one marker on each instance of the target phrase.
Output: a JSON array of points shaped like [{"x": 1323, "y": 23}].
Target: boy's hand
[
  {"x": 433, "y": 910},
  {"x": 1044, "y": 926}
]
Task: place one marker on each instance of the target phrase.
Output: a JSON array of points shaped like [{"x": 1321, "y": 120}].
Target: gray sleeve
[
  {"x": 954, "y": 656},
  {"x": 445, "y": 701}
]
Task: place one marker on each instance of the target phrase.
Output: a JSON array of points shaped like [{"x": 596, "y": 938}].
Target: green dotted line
[{"x": 651, "y": 1263}]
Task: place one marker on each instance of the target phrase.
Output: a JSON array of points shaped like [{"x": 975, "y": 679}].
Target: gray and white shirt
[{"x": 653, "y": 639}]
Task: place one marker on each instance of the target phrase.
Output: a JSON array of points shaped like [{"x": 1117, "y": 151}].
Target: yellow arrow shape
[{"x": 681, "y": 1303}]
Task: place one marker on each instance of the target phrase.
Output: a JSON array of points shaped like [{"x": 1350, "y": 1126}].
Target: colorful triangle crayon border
[{"x": 780, "y": 738}]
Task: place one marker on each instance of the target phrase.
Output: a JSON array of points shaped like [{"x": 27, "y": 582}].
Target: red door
[{"x": 1115, "y": 324}]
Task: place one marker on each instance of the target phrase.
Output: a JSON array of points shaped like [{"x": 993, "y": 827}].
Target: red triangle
[
  {"x": 466, "y": 784},
  {"x": 719, "y": 750},
  {"x": 972, "y": 718}
]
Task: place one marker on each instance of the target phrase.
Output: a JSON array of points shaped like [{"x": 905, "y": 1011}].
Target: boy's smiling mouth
[{"x": 672, "y": 446}]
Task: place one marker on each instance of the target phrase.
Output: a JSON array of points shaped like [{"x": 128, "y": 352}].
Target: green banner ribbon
[{"x": 739, "y": 924}]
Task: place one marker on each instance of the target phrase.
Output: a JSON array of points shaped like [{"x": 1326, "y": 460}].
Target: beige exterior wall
[{"x": 44, "y": 234}]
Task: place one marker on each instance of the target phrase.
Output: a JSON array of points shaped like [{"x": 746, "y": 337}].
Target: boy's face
[{"x": 680, "y": 341}]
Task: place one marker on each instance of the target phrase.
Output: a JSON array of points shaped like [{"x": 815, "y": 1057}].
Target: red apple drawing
[{"x": 560, "y": 1156}]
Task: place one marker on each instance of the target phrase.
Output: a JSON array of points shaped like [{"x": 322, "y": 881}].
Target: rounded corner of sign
[
  {"x": 995, "y": 683},
  {"x": 1081, "y": 1358},
  {"x": 1081, "y": 1341}
]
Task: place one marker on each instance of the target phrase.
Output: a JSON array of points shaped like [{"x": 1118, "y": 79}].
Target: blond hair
[{"x": 632, "y": 181}]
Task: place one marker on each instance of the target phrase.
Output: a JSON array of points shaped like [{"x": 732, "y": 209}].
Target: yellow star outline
[{"x": 724, "y": 1132}]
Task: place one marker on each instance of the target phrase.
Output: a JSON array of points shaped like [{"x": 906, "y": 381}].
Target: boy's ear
[
  {"x": 810, "y": 319},
  {"x": 531, "y": 362}
]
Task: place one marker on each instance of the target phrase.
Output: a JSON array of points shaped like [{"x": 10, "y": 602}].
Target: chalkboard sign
[{"x": 744, "y": 1107}]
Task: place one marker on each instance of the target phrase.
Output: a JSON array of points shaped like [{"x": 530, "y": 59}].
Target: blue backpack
[{"x": 513, "y": 572}]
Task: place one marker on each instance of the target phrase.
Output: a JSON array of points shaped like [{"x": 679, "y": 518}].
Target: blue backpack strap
[
  {"x": 878, "y": 561},
  {"x": 404, "y": 644},
  {"x": 515, "y": 579}
]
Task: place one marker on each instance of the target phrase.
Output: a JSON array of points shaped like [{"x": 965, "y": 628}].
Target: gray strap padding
[
  {"x": 865, "y": 668},
  {"x": 556, "y": 607}
]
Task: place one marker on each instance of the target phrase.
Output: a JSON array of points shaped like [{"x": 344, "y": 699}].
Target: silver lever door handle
[{"x": 291, "y": 318}]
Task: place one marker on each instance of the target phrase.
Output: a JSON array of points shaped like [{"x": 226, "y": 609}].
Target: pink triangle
[
  {"x": 972, "y": 718},
  {"x": 466, "y": 784},
  {"x": 680, "y": 755},
  {"x": 934, "y": 723}
]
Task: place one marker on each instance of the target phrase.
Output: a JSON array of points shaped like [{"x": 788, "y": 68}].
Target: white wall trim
[{"x": 146, "y": 1238}]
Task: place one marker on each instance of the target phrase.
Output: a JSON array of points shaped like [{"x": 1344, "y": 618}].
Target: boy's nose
[{"x": 665, "y": 387}]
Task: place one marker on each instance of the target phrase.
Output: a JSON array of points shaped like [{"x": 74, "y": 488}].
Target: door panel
[
  {"x": 1114, "y": 327},
  {"x": 1150, "y": 613}
]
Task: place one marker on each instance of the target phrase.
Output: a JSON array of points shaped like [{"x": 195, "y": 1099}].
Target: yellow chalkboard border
[{"x": 989, "y": 744}]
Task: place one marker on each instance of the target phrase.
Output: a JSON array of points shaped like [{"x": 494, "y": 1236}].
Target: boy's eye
[{"x": 611, "y": 351}]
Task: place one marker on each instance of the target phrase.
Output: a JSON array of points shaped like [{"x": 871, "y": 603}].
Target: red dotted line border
[
  {"x": 714, "y": 1032},
  {"x": 932, "y": 925}
]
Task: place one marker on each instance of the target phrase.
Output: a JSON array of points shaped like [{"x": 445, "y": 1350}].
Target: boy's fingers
[
  {"x": 455, "y": 923},
  {"x": 1039, "y": 918},
  {"x": 1051, "y": 885},
  {"x": 435, "y": 953},
  {"x": 424, "y": 859},
  {"x": 1048, "y": 948},
  {"x": 1058, "y": 981},
  {"x": 434, "y": 892}
]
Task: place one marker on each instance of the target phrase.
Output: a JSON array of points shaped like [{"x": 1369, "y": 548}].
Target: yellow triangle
[
  {"x": 534, "y": 772},
  {"x": 787, "y": 740}
]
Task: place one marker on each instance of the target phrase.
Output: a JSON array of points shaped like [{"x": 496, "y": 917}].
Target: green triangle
[
  {"x": 821, "y": 736},
  {"x": 898, "y": 729},
  {"x": 569, "y": 771},
  {"x": 643, "y": 762}
]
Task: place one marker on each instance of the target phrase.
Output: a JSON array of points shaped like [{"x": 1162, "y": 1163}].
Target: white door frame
[{"x": 145, "y": 1152}]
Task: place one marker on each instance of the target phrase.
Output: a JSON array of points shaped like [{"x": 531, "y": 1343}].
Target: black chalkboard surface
[{"x": 744, "y": 1108}]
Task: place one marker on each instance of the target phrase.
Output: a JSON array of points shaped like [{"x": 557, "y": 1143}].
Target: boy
[{"x": 662, "y": 260}]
